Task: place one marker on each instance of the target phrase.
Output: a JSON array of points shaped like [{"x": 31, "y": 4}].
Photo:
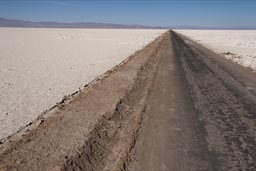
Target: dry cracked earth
[{"x": 173, "y": 106}]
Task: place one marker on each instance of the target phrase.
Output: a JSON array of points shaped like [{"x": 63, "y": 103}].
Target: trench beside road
[{"x": 174, "y": 106}]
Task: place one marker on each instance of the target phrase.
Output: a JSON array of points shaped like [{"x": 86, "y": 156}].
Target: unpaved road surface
[
  {"x": 200, "y": 115},
  {"x": 171, "y": 137},
  {"x": 174, "y": 106}
]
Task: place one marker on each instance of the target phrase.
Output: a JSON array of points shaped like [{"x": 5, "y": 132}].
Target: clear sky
[{"x": 211, "y": 13}]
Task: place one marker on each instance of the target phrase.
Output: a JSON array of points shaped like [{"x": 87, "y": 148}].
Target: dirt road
[
  {"x": 171, "y": 137},
  {"x": 174, "y": 106},
  {"x": 200, "y": 117}
]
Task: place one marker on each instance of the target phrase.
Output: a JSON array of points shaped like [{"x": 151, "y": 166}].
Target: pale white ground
[
  {"x": 240, "y": 43},
  {"x": 40, "y": 66}
]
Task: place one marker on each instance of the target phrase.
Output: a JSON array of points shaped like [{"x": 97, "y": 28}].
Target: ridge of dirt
[
  {"x": 227, "y": 107},
  {"x": 96, "y": 129}
]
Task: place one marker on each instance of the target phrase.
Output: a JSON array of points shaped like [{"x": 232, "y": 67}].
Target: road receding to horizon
[
  {"x": 175, "y": 105},
  {"x": 201, "y": 114}
]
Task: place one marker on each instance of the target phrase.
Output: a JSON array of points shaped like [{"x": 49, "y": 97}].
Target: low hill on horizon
[
  {"x": 45, "y": 24},
  {"x": 95, "y": 25}
]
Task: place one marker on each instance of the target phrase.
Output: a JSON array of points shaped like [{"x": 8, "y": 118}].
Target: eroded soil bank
[{"x": 96, "y": 130}]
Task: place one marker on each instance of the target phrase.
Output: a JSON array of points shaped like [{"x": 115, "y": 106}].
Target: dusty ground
[
  {"x": 174, "y": 106},
  {"x": 171, "y": 137},
  {"x": 221, "y": 94},
  {"x": 200, "y": 116}
]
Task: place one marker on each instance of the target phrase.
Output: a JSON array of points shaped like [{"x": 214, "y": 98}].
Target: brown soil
[{"x": 227, "y": 107}]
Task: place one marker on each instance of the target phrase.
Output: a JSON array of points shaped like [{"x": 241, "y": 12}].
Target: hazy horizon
[{"x": 47, "y": 24}]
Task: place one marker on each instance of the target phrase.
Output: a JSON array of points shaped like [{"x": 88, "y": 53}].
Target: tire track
[{"x": 229, "y": 114}]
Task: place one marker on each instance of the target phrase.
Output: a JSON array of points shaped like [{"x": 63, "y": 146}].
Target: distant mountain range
[
  {"x": 21, "y": 23},
  {"x": 31, "y": 24}
]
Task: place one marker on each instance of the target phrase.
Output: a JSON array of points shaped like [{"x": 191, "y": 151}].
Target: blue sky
[{"x": 211, "y": 13}]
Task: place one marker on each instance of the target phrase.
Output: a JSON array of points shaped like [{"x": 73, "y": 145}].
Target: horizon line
[{"x": 195, "y": 27}]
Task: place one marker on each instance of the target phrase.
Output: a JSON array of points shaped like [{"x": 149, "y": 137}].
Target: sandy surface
[
  {"x": 40, "y": 66},
  {"x": 237, "y": 45}
]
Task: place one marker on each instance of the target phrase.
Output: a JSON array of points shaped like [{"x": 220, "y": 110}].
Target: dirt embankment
[{"x": 96, "y": 130}]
